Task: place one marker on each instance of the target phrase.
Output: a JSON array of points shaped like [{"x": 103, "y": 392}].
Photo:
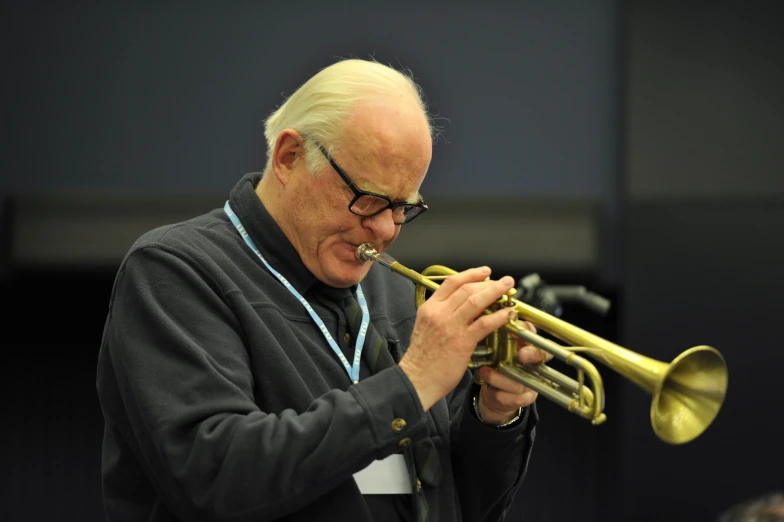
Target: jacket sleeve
[
  {"x": 489, "y": 463},
  {"x": 177, "y": 361}
]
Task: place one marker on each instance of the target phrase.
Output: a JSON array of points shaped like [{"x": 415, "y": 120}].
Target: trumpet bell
[{"x": 690, "y": 395}]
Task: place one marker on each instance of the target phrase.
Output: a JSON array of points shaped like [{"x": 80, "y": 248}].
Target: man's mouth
[{"x": 355, "y": 246}]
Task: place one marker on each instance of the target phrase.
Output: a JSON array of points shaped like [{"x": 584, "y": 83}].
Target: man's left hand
[{"x": 501, "y": 398}]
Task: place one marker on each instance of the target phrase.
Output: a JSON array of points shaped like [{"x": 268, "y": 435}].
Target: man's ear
[{"x": 289, "y": 155}]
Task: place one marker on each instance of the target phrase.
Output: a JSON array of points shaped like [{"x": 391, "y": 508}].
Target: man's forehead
[
  {"x": 385, "y": 123},
  {"x": 398, "y": 184},
  {"x": 386, "y": 146}
]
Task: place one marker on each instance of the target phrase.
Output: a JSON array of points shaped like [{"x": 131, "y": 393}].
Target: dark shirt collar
[
  {"x": 273, "y": 243},
  {"x": 267, "y": 235},
  {"x": 333, "y": 294}
]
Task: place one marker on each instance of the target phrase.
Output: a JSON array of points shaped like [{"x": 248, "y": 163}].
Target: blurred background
[{"x": 634, "y": 147}]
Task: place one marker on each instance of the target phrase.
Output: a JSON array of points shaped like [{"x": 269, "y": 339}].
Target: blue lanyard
[{"x": 353, "y": 371}]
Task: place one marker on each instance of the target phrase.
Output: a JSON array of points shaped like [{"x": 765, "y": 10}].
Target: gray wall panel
[
  {"x": 705, "y": 273},
  {"x": 50, "y": 231},
  {"x": 703, "y": 248},
  {"x": 705, "y": 103}
]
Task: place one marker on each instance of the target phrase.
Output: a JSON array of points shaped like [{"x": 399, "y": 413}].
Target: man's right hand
[{"x": 449, "y": 326}]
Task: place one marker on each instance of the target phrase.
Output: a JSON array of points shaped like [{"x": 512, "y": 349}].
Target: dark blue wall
[{"x": 170, "y": 96}]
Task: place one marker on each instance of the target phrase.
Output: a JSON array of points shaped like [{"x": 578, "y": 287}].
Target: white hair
[{"x": 320, "y": 108}]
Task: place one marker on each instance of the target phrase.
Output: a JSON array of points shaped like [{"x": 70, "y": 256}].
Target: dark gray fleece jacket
[{"x": 223, "y": 401}]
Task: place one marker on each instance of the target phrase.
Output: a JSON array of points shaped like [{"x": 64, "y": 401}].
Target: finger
[
  {"x": 533, "y": 355},
  {"x": 502, "y": 401},
  {"x": 527, "y": 325},
  {"x": 454, "y": 282},
  {"x": 474, "y": 299},
  {"x": 500, "y": 382},
  {"x": 485, "y": 324}
]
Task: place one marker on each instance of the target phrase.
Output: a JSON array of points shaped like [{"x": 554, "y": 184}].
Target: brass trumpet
[{"x": 687, "y": 392}]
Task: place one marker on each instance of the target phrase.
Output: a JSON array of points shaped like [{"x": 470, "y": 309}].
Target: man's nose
[{"x": 383, "y": 225}]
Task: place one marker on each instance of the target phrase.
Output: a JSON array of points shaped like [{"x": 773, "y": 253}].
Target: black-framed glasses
[{"x": 367, "y": 204}]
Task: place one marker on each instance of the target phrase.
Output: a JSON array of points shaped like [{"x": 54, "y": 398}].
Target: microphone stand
[{"x": 534, "y": 291}]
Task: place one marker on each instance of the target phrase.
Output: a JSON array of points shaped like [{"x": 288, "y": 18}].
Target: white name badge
[{"x": 384, "y": 477}]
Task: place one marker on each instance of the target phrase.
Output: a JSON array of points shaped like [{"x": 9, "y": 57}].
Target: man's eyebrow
[
  {"x": 418, "y": 198},
  {"x": 369, "y": 186}
]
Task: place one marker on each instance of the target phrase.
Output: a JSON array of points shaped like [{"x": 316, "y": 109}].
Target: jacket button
[
  {"x": 404, "y": 442},
  {"x": 398, "y": 425}
]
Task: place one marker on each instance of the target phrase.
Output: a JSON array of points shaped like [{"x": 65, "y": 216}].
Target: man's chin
[{"x": 345, "y": 275}]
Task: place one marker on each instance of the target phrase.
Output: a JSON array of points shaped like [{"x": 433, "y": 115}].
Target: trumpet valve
[{"x": 482, "y": 356}]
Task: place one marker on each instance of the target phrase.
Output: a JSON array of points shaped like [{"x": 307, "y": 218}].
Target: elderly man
[{"x": 252, "y": 368}]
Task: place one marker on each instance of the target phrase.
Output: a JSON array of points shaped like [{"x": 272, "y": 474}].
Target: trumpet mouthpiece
[{"x": 366, "y": 252}]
